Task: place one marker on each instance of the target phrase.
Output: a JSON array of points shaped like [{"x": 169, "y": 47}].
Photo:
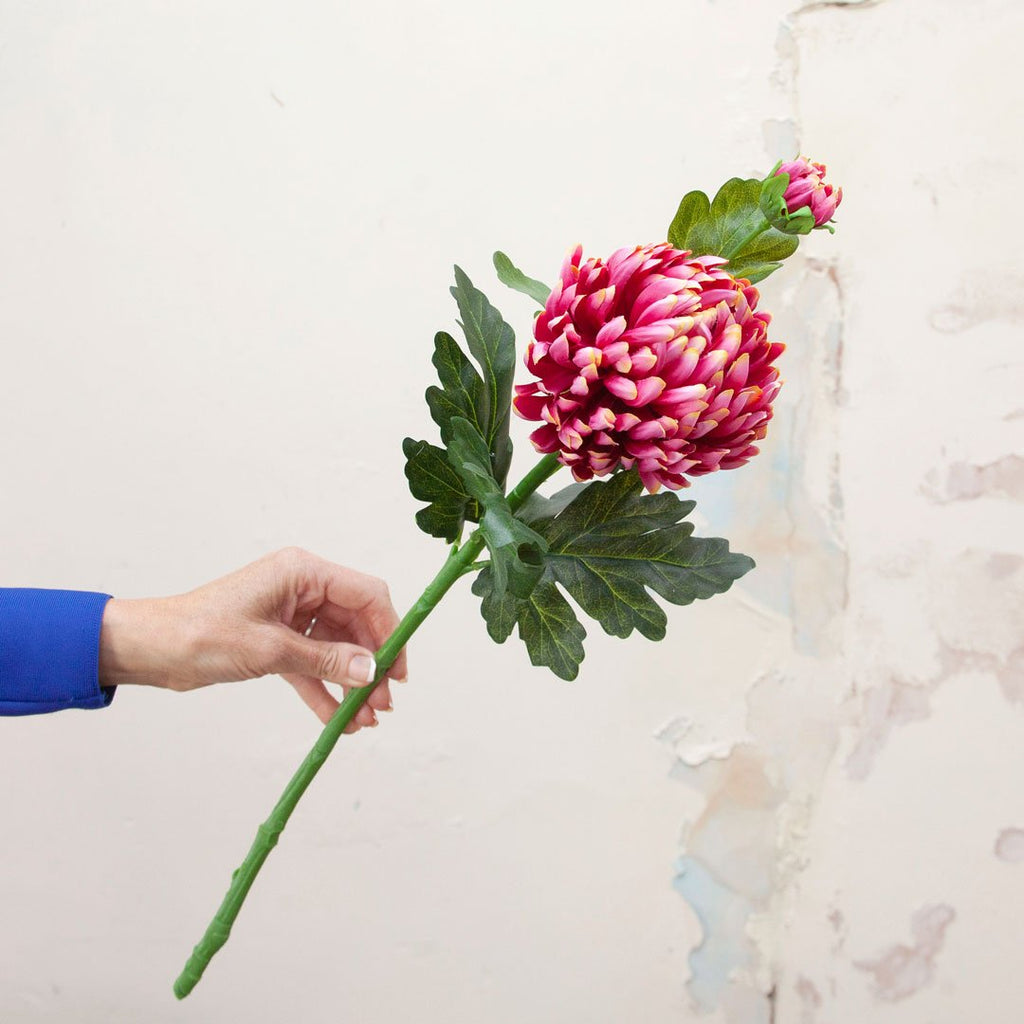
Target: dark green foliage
[
  {"x": 481, "y": 394},
  {"x": 517, "y": 552},
  {"x": 431, "y": 478},
  {"x": 608, "y": 546},
  {"x": 462, "y": 391},
  {"x": 547, "y": 624},
  {"x": 493, "y": 345}
]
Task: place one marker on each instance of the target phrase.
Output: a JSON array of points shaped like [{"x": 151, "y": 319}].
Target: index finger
[{"x": 354, "y": 597}]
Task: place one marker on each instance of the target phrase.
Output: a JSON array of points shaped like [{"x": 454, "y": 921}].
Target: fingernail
[
  {"x": 374, "y": 723},
  {"x": 389, "y": 707},
  {"x": 362, "y": 668}
]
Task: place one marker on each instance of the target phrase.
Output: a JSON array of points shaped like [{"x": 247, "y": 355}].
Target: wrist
[{"x": 141, "y": 642}]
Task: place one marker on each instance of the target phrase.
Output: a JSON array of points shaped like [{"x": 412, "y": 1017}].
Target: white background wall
[{"x": 226, "y": 237}]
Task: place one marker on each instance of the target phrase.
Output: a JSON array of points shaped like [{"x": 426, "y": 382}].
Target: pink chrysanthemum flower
[
  {"x": 653, "y": 358},
  {"x": 807, "y": 188}
]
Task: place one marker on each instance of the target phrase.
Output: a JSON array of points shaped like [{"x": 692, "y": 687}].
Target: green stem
[
  {"x": 547, "y": 467},
  {"x": 267, "y": 834}
]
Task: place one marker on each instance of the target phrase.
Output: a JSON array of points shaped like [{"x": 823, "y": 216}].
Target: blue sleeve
[{"x": 50, "y": 651}]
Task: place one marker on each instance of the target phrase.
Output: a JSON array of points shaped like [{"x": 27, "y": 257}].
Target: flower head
[
  {"x": 653, "y": 358},
  {"x": 807, "y": 189}
]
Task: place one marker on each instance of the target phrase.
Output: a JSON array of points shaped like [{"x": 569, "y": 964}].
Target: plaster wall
[{"x": 225, "y": 245}]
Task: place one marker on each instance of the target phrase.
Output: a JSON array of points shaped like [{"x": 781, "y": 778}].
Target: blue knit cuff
[{"x": 50, "y": 650}]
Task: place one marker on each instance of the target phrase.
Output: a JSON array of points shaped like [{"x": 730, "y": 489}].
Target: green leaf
[
  {"x": 462, "y": 391},
  {"x": 493, "y": 345},
  {"x": 612, "y": 542},
  {"x": 512, "y": 277},
  {"x": 483, "y": 397},
  {"x": 609, "y": 546},
  {"x": 724, "y": 226},
  {"x": 552, "y": 633},
  {"x": 694, "y": 209},
  {"x": 736, "y": 213},
  {"x": 763, "y": 255},
  {"x": 431, "y": 478},
  {"x": 538, "y": 511},
  {"x": 600, "y": 511},
  {"x": 517, "y": 552},
  {"x": 737, "y": 224},
  {"x": 547, "y": 624},
  {"x": 500, "y": 611}
]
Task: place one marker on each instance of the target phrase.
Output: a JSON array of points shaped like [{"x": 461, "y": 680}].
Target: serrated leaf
[
  {"x": 547, "y": 624},
  {"x": 432, "y": 478},
  {"x": 612, "y": 543},
  {"x": 552, "y": 633},
  {"x": 512, "y": 277},
  {"x": 462, "y": 391},
  {"x": 609, "y": 546},
  {"x": 492, "y": 344},
  {"x": 517, "y": 552},
  {"x": 500, "y": 612},
  {"x": 440, "y": 519},
  {"x": 483, "y": 397},
  {"x": 597, "y": 511}
]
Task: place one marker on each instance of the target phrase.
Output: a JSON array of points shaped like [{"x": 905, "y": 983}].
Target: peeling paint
[
  {"x": 975, "y": 620},
  {"x": 820, "y": 565},
  {"x": 869, "y": 649},
  {"x": 803, "y": 571},
  {"x": 1010, "y": 845},
  {"x": 978, "y": 614},
  {"x": 728, "y": 875},
  {"x": 891, "y": 704},
  {"x": 724, "y": 948},
  {"x": 736, "y": 833},
  {"x": 745, "y": 849},
  {"x": 965, "y": 481},
  {"x": 810, "y": 999},
  {"x": 980, "y": 300},
  {"x": 692, "y": 745},
  {"x": 902, "y": 970}
]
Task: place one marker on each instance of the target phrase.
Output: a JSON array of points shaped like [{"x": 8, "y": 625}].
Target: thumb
[{"x": 343, "y": 663}]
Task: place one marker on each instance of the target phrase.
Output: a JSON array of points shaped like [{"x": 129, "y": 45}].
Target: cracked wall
[
  {"x": 884, "y": 739},
  {"x": 226, "y": 248}
]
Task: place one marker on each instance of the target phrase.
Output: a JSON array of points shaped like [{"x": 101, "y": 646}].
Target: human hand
[{"x": 290, "y": 613}]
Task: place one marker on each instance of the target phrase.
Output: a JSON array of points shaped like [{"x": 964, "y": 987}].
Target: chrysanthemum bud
[{"x": 807, "y": 190}]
